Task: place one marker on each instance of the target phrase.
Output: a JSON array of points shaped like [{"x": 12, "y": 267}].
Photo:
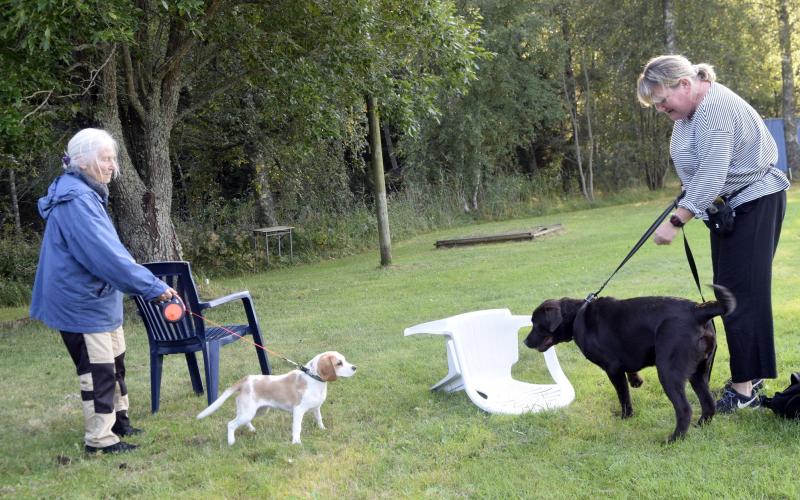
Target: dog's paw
[
  {"x": 625, "y": 412},
  {"x": 673, "y": 438},
  {"x": 704, "y": 419}
]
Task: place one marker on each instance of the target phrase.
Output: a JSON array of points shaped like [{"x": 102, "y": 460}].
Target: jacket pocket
[{"x": 104, "y": 290}]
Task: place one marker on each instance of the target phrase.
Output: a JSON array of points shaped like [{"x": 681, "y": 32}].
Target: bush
[
  {"x": 219, "y": 236},
  {"x": 18, "y": 259}
]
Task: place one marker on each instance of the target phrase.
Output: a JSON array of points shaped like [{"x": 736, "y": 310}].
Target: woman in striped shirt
[{"x": 720, "y": 146}]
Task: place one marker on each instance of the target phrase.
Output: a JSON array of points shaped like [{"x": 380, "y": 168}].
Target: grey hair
[
  {"x": 84, "y": 147},
  {"x": 666, "y": 72}
]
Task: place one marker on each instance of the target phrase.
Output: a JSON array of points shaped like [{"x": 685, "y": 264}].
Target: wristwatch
[{"x": 676, "y": 221}]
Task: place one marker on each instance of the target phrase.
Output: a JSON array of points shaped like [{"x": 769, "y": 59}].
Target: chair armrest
[
  {"x": 520, "y": 322},
  {"x": 438, "y": 327},
  {"x": 244, "y": 295},
  {"x": 247, "y": 302}
]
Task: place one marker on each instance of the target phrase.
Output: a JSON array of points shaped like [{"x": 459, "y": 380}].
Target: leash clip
[{"x": 590, "y": 298}]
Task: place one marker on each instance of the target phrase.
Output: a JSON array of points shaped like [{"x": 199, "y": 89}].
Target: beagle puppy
[{"x": 297, "y": 391}]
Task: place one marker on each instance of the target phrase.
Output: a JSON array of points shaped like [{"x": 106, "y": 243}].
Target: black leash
[
  {"x": 692, "y": 265},
  {"x": 696, "y": 277},
  {"x": 689, "y": 257},
  {"x": 642, "y": 240}
]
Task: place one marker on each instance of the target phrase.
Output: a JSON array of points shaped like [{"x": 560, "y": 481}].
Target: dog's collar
[{"x": 308, "y": 372}]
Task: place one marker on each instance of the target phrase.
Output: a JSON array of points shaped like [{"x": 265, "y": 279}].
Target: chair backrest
[
  {"x": 177, "y": 275},
  {"x": 487, "y": 340}
]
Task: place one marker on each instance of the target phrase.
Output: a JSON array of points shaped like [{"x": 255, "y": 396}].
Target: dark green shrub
[{"x": 18, "y": 259}]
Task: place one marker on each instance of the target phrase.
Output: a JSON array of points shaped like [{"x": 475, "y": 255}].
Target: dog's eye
[{"x": 339, "y": 363}]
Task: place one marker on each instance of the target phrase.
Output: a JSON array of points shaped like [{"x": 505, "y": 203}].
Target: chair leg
[
  {"x": 211, "y": 364},
  {"x": 156, "y": 362},
  {"x": 194, "y": 373},
  {"x": 263, "y": 360}
]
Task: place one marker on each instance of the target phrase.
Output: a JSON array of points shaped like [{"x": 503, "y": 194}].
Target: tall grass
[
  {"x": 388, "y": 435},
  {"x": 219, "y": 241},
  {"x": 217, "y": 236}
]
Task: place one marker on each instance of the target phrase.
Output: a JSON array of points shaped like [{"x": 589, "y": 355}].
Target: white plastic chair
[{"x": 482, "y": 346}]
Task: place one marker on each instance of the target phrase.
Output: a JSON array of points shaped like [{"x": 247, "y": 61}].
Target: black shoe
[
  {"x": 732, "y": 401},
  {"x": 125, "y": 431},
  {"x": 120, "y": 447}
]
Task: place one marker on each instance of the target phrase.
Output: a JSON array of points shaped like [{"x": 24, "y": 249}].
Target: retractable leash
[{"x": 174, "y": 311}]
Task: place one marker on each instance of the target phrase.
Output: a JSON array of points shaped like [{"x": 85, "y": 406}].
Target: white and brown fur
[{"x": 295, "y": 392}]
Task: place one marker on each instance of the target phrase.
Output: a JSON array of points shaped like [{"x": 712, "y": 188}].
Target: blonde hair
[
  {"x": 84, "y": 148},
  {"x": 666, "y": 72}
]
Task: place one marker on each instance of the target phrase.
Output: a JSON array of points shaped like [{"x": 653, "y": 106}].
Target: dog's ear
[
  {"x": 552, "y": 314},
  {"x": 326, "y": 368}
]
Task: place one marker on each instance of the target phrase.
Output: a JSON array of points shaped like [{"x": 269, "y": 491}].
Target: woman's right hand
[
  {"x": 168, "y": 294},
  {"x": 665, "y": 233}
]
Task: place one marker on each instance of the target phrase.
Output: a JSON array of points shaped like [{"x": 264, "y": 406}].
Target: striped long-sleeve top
[{"x": 723, "y": 147}]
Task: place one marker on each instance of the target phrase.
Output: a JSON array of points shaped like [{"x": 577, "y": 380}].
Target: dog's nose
[{"x": 355, "y": 368}]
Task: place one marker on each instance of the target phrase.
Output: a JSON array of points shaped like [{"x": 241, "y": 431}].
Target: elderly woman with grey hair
[
  {"x": 721, "y": 148},
  {"x": 83, "y": 271}
]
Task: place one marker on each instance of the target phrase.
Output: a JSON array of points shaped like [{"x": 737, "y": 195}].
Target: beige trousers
[{"x": 99, "y": 361}]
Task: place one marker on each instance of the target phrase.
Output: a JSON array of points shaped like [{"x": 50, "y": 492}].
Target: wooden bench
[{"x": 531, "y": 234}]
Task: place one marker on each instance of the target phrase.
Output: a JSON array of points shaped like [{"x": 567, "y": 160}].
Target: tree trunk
[
  {"x": 570, "y": 94},
  {"x": 379, "y": 184},
  {"x": 265, "y": 203},
  {"x": 476, "y": 188},
  {"x": 787, "y": 73},
  {"x": 590, "y": 138},
  {"x": 576, "y": 138},
  {"x": 389, "y": 148},
  {"x": 12, "y": 186},
  {"x": 670, "y": 36},
  {"x": 140, "y": 111},
  {"x": 141, "y": 202},
  {"x": 653, "y": 153}
]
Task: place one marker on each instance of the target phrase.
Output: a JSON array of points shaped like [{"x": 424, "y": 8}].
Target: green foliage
[
  {"x": 513, "y": 105},
  {"x": 471, "y": 91},
  {"x": 46, "y": 46},
  {"x": 18, "y": 259},
  {"x": 217, "y": 237}
]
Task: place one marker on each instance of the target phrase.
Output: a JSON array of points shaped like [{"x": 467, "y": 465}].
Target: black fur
[{"x": 624, "y": 336}]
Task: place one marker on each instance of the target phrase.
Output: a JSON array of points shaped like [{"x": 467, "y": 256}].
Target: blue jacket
[{"x": 83, "y": 267}]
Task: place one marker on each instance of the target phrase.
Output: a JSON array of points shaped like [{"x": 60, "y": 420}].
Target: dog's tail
[
  {"x": 221, "y": 399},
  {"x": 724, "y": 305}
]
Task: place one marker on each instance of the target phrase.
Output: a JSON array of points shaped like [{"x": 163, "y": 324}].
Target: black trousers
[{"x": 742, "y": 262}]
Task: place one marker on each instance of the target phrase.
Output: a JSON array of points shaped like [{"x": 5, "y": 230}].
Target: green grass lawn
[{"x": 388, "y": 435}]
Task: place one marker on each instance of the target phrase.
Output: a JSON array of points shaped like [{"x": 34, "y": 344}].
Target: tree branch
[
  {"x": 185, "y": 43},
  {"x": 40, "y": 106},
  {"x": 93, "y": 74},
  {"x": 133, "y": 97},
  {"x": 218, "y": 89}
]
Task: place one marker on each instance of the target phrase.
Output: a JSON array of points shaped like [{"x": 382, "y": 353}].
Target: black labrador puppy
[{"x": 624, "y": 336}]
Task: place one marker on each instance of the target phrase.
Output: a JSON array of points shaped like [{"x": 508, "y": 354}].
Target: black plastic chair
[{"x": 190, "y": 334}]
